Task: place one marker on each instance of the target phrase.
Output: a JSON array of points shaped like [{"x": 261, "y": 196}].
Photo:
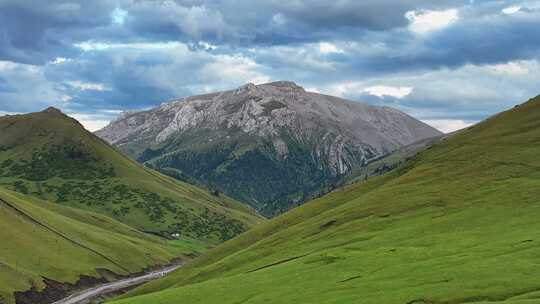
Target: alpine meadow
[{"x": 227, "y": 152}]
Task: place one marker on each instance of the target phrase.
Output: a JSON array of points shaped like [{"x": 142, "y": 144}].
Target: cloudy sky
[{"x": 448, "y": 63}]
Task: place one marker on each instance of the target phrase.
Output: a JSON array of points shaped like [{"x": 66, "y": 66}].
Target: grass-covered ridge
[
  {"x": 457, "y": 224},
  {"x": 50, "y": 156}
]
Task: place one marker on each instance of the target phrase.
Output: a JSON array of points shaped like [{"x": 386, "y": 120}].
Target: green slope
[
  {"x": 457, "y": 224},
  {"x": 50, "y": 156},
  {"x": 41, "y": 239}
]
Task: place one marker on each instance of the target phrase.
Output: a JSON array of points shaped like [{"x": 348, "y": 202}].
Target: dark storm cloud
[
  {"x": 271, "y": 22},
  {"x": 488, "y": 40},
  {"x": 31, "y": 33},
  {"x": 497, "y": 39},
  {"x": 34, "y": 32},
  {"x": 369, "y": 14},
  {"x": 125, "y": 84}
]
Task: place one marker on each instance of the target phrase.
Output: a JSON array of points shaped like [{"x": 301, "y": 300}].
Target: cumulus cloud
[
  {"x": 119, "y": 16},
  {"x": 91, "y": 122},
  {"x": 470, "y": 93},
  {"x": 358, "y": 88},
  {"x": 423, "y": 22},
  {"x": 25, "y": 87},
  {"x": 236, "y": 69},
  {"x": 381, "y": 91},
  {"x": 59, "y": 60},
  {"x": 279, "y": 19},
  {"x": 448, "y": 125},
  {"x": 510, "y": 68},
  {"x": 103, "y": 46},
  {"x": 87, "y": 86},
  {"x": 327, "y": 47},
  {"x": 511, "y": 9}
]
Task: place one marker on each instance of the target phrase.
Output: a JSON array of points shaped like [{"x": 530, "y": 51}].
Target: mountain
[
  {"x": 458, "y": 223},
  {"x": 73, "y": 210},
  {"x": 272, "y": 146},
  {"x": 51, "y": 156}
]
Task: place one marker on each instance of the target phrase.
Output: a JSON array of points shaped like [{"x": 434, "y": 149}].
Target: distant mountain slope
[
  {"x": 457, "y": 224},
  {"x": 272, "y": 145},
  {"x": 50, "y": 156},
  {"x": 393, "y": 160}
]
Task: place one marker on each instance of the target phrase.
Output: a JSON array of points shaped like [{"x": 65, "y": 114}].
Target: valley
[
  {"x": 269, "y": 152},
  {"x": 415, "y": 224},
  {"x": 418, "y": 220}
]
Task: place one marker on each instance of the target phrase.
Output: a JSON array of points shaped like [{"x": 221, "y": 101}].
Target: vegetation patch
[
  {"x": 67, "y": 161},
  {"x": 120, "y": 200}
]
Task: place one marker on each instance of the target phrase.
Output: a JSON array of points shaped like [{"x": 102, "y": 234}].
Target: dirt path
[{"x": 94, "y": 292}]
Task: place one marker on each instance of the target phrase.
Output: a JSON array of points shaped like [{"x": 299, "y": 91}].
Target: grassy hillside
[
  {"x": 50, "y": 156},
  {"x": 41, "y": 239},
  {"x": 71, "y": 205},
  {"x": 457, "y": 224}
]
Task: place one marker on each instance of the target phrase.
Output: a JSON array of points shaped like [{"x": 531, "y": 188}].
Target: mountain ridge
[
  {"x": 51, "y": 156},
  {"x": 300, "y": 142}
]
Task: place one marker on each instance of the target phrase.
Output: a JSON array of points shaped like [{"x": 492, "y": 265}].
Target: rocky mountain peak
[
  {"x": 284, "y": 84},
  {"x": 53, "y": 110},
  {"x": 271, "y": 89},
  {"x": 248, "y": 88}
]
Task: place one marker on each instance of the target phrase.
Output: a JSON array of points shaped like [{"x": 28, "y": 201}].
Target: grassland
[
  {"x": 457, "y": 224},
  {"x": 41, "y": 239}
]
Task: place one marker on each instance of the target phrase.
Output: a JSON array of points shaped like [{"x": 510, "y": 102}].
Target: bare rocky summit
[{"x": 272, "y": 145}]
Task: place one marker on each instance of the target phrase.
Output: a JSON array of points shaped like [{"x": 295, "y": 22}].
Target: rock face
[{"x": 272, "y": 146}]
